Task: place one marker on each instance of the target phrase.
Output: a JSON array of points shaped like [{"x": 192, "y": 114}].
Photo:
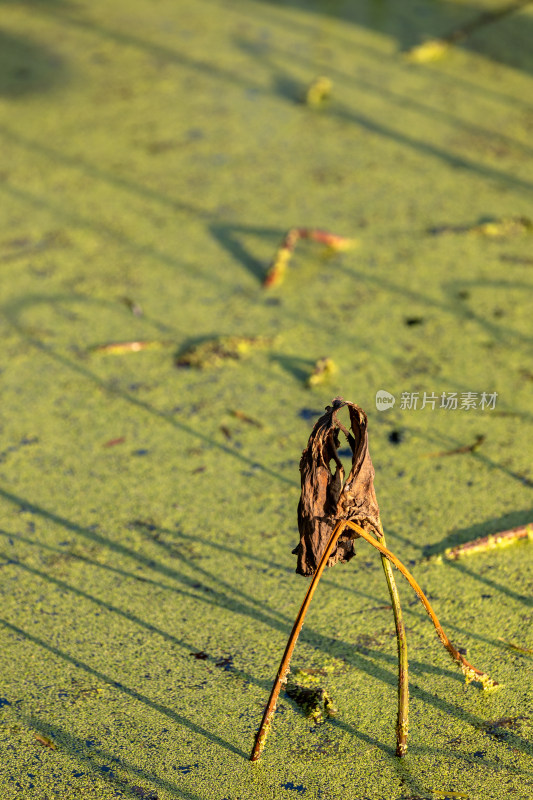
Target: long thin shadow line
[
  {"x": 217, "y": 597},
  {"x": 426, "y": 750},
  {"x": 521, "y": 598},
  {"x": 128, "y": 615},
  {"x": 102, "y": 229},
  {"x": 133, "y": 693},
  {"x": 240, "y": 553},
  {"x": 107, "y": 567},
  {"x": 96, "y": 172},
  {"x": 490, "y": 173},
  {"x": 324, "y": 643},
  {"x": 401, "y": 100},
  {"x": 339, "y": 110},
  {"x": 360, "y": 43},
  {"x": 449, "y": 306},
  {"x": 77, "y": 748},
  {"x": 439, "y": 702},
  {"x": 87, "y": 373}
]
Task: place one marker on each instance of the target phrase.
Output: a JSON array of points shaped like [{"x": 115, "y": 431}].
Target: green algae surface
[{"x": 154, "y": 155}]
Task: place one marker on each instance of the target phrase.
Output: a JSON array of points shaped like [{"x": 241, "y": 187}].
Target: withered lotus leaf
[{"x": 327, "y": 497}]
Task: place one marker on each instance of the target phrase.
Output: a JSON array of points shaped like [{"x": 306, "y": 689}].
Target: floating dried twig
[
  {"x": 119, "y": 348},
  {"x": 434, "y": 49},
  {"x": 466, "y": 448},
  {"x": 491, "y": 542},
  {"x": 322, "y": 371},
  {"x": 222, "y": 349},
  {"x": 276, "y": 271},
  {"x": 332, "y": 513},
  {"x": 318, "y": 91}
]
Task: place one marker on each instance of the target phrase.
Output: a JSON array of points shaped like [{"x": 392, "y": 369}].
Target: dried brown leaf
[{"x": 327, "y": 497}]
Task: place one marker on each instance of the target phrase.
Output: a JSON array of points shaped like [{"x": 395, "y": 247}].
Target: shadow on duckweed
[
  {"x": 171, "y": 714},
  {"x": 106, "y": 766},
  {"x": 361, "y": 658},
  {"x": 28, "y": 67}
]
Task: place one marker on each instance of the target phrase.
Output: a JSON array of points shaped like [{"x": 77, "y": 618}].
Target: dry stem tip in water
[
  {"x": 318, "y": 91},
  {"x": 276, "y": 271},
  {"x": 323, "y": 369},
  {"x": 333, "y": 512}
]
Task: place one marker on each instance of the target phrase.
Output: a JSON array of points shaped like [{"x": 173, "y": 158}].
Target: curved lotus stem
[{"x": 470, "y": 672}]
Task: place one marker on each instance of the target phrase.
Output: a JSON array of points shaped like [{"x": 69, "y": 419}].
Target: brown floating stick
[
  {"x": 332, "y": 513},
  {"x": 276, "y": 271},
  {"x": 491, "y": 542}
]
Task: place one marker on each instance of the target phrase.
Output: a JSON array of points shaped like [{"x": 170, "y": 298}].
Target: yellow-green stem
[{"x": 402, "y": 722}]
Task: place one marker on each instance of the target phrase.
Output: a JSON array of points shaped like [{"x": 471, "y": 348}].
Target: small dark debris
[
  {"x": 29, "y": 440},
  {"x": 290, "y": 785},
  {"x": 140, "y": 452},
  {"x": 225, "y": 663},
  {"x": 309, "y": 413},
  {"x": 226, "y": 431},
  {"x": 499, "y": 727},
  {"x": 201, "y": 655},
  {"x": 462, "y": 650},
  {"x": 486, "y": 596},
  {"x": 134, "y": 307},
  {"x": 186, "y": 768},
  {"x": 198, "y": 469},
  {"x": 140, "y": 523},
  {"x": 480, "y": 753},
  {"x": 410, "y": 321},
  {"x": 113, "y": 442},
  {"x": 396, "y": 437}
]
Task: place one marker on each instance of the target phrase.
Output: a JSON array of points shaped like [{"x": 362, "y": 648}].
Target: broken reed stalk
[
  {"x": 490, "y": 542},
  {"x": 327, "y": 511},
  {"x": 278, "y": 267}
]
